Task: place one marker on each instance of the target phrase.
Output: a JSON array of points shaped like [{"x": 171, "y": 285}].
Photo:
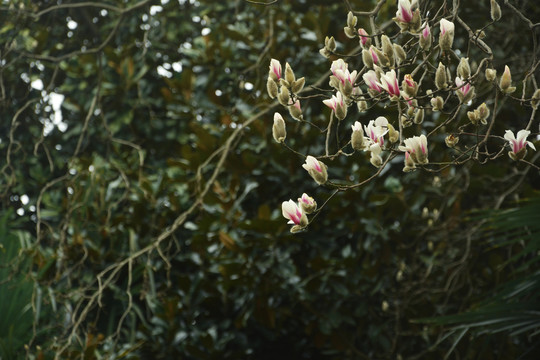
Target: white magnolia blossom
[
  {"x": 519, "y": 145},
  {"x": 376, "y": 129},
  {"x": 293, "y": 213},
  {"x": 417, "y": 149}
]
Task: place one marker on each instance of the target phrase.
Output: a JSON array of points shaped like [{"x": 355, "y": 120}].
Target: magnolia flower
[
  {"x": 372, "y": 81},
  {"x": 307, "y": 203},
  {"x": 417, "y": 148},
  {"x": 406, "y": 18},
  {"x": 425, "y": 38},
  {"x": 275, "y": 70},
  {"x": 316, "y": 169},
  {"x": 389, "y": 83},
  {"x": 409, "y": 163},
  {"x": 465, "y": 91},
  {"x": 404, "y": 13},
  {"x": 506, "y": 81},
  {"x": 357, "y": 137},
  {"x": 519, "y": 145},
  {"x": 296, "y": 111},
  {"x": 376, "y": 129},
  {"x": 278, "y": 129},
  {"x": 365, "y": 40},
  {"x": 446, "y": 37},
  {"x": 337, "y": 104},
  {"x": 294, "y": 213},
  {"x": 409, "y": 86},
  {"x": 345, "y": 77}
]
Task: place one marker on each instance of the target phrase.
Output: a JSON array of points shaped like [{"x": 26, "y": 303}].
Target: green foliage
[
  {"x": 17, "y": 319},
  {"x": 151, "y": 220}
]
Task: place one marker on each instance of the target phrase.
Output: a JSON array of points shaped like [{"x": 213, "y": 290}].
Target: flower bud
[
  {"x": 535, "y": 99},
  {"x": 409, "y": 86},
  {"x": 401, "y": 55},
  {"x": 271, "y": 87},
  {"x": 483, "y": 113},
  {"x": 491, "y": 74},
  {"x": 298, "y": 85},
  {"x": 388, "y": 49},
  {"x": 393, "y": 135},
  {"x": 419, "y": 116},
  {"x": 284, "y": 96},
  {"x": 350, "y": 32},
  {"x": 351, "y": 19},
  {"x": 296, "y": 111},
  {"x": 289, "y": 74},
  {"x": 275, "y": 70},
  {"x": 425, "y": 38},
  {"x": 506, "y": 81},
  {"x": 307, "y": 203},
  {"x": 367, "y": 58},
  {"x": 409, "y": 163},
  {"x": 357, "y": 137},
  {"x": 278, "y": 129},
  {"x": 463, "y": 69},
  {"x": 362, "y": 105},
  {"x": 440, "y": 77},
  {"x": 365, "y": 40},
  {"x": 294, "y": 214},
  {"x": 330, "y": 43},
  {"x": 437, "y": 103},
  {"x": 451, "y": 140},
  {"x": 316, "y": 169},
  {"x": 495, "y": 11},
  {"x": 446, "y": 37}
]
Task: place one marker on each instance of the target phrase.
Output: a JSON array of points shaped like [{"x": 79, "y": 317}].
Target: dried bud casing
[
  {"x": 350, "y": 32},
  {"x": 451, "y": 140},
  {"x": 362, "y": 105},
  {"x": 495, "y": 11}
]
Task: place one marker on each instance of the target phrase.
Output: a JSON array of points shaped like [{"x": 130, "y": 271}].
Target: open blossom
[
  {"x": 372, "y": 81},
  {"x": 337, "y": 104},
  {"x": 307, "y": 203},
  {"x": 389, "y": 83},
  {"x": 346, "y": 78},
  {"x": 376, "y": 129},
  {"x": 417, "y": 149},
  {"x": 316, "y": 169},
  {"x": 519, "y": 145},
  {"x": 294, "y": 213},
  {"x": 406, "y": 18},
  {"x": 465, "y": 91},
  {"x": 275, "y": 70}
]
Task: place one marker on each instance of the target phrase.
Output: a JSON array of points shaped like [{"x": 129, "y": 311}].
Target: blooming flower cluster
[{"x": 432, "y": 93}]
